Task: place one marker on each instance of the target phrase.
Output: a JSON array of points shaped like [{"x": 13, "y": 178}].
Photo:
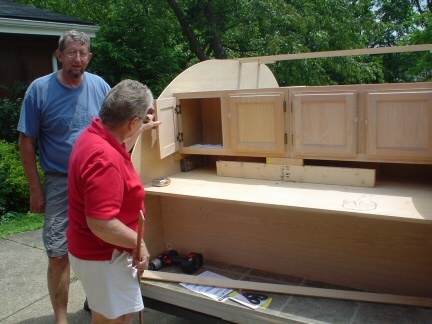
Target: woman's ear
[{"x": 133, "y": 124}]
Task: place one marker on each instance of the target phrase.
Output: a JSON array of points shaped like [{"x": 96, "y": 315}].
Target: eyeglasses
[{"x": 73, "y": 54}]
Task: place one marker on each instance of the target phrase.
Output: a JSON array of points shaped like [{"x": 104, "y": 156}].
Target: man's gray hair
[
  {"x": 73, "y": 36},
  {"x": 128, "y": 99}
]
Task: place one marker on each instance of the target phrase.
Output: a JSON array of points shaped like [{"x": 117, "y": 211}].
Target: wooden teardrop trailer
[{"x": 327, "y": 183}]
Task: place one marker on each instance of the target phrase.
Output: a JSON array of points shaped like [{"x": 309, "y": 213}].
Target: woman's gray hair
[
  {"x": 73, "y": 36},
  {"x": 128, "y": 99}
]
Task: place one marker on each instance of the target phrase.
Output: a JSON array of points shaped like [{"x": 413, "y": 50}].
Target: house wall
[{"x": 25, "y": 57}]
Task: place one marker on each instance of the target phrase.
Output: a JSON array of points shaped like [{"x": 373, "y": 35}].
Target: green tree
[
  {"x": 402, "y": 22},
  {"x": 133, "y": 43},
  {"x": 136, "y": 40},
  {"x": 153, "y": 41},
  {"x": 423, "y": 35},
  {"x": 220, "y": 29}
]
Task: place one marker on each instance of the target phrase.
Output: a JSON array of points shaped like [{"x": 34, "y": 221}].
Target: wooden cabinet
[
  {"x": 347, "y": 123},
  {"x": 324, "y": 125},
  {"x": 191, "y": 124},
  {"x": 375, "y": 239},
  {"x": 222, "y": 123},
  {"x": 399, "y": 126}
]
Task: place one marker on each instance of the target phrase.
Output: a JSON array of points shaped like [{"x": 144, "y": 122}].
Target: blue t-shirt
[{"x": 56, "y": 115}]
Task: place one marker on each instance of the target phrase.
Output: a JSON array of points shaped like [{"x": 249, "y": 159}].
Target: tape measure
[{"x": 161, "y": 182}]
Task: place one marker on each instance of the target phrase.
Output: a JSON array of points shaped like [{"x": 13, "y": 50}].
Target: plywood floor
[{"x": 284, "y": 308}]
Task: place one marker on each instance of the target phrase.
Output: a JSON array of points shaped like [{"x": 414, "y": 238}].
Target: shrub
[
  {"x": 14, "y": 188},
  {"x": 10, "y": 108}
]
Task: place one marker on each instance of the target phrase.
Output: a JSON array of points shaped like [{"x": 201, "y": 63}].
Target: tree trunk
[{"x": 187, "y": 29}]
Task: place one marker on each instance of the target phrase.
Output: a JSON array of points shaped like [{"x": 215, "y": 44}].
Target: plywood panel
[
  {"x": 221, "y": 75},
  {"x": 362, "y": 253},
  {"x": 147, "y": 161},
  {"x": 404, "y": 201},
  {"x": 191, "y": 122},
  {"x": 212, "y": 121},
  {"x": 153, "y": 237},
  {"x": 294, "y": 173}
]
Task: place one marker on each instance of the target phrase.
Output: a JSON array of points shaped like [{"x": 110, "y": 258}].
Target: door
[
  {"x": 257, "y": 123},
  {"x": 399, "y": 126},
  {"x": 167, "y": 130},
  {"x": 324, "y": 125}
]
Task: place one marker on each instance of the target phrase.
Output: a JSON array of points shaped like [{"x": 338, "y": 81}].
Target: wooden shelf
[
  {"x": 282, "y": 308},
  {"x": 229, "y": 310},
  {"x": 397, "y": 200}
]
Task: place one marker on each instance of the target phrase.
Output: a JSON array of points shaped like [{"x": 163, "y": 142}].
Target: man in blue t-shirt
[{"x": 56, "y": 109}]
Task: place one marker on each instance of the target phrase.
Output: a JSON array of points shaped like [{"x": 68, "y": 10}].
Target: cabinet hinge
[
  {"x": 284, "y": 106},
  {"x": 292, "y": 139},
  {"x": 177, "y": 109},
  {"x": 180, "y": 137},
  {"x": 286, "y": 138},
  {"x": 291, "y": 106}
]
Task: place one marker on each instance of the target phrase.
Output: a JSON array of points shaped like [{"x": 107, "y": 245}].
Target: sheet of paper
[
  {"x": 214, "y": 146},
  {"x": 216, "y": 293}
]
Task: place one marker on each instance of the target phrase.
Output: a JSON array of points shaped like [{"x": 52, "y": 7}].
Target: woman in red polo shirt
[{"x": 105, "y": 199}]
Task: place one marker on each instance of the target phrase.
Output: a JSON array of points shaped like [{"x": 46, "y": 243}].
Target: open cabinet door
[{"x": 165, "y": 112}]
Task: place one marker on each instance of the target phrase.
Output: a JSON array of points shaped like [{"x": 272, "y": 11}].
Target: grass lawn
[{"x": 14, "y": 223}]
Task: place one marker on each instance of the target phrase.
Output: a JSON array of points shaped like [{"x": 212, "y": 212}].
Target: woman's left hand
[
  {"x": 150, "y": 122},
  {"x": 142, "y": 263}
]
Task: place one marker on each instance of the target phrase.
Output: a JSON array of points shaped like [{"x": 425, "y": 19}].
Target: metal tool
[
  {"x": 161, "y": 182},
  {"x": 189, "y": 263},
  {"x": 254, "y": 298}
]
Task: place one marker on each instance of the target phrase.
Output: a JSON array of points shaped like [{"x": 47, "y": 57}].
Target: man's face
[{"x": 75, "y": 58}]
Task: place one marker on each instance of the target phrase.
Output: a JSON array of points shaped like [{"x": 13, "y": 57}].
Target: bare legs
[
  {"x": 58, "y": 276},
  {"x": 98, "y": 318}
]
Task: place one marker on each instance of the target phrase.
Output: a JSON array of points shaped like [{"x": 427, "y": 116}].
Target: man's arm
[{"x": 27, "y": 149}]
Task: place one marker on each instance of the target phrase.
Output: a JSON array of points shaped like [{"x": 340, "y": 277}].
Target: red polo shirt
[{"x": 103, "y": 184}]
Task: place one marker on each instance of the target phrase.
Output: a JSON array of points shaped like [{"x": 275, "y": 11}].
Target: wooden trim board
[
  {"x": 294, "y": 173},
  {"x": 290, "y": 289},
  {"x": 363, "y": 51}
]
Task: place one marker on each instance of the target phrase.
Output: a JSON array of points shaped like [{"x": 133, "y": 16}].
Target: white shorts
[{"x": 111, "y": 287}]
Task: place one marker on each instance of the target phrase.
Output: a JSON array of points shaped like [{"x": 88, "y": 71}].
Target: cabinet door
[
  {"x": 324, "y": 125},
  {"x": 257, "y": 123},
  {"x": 167, "y": 130},
  {"x": 399, "y": 126}
]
